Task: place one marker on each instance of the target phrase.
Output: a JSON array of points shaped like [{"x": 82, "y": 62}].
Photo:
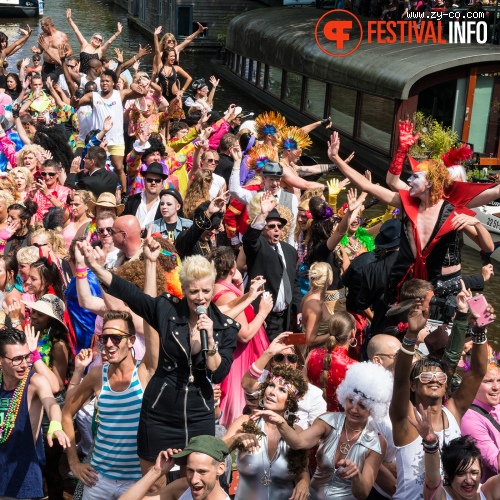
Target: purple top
[{"x": 486, "y": 436}]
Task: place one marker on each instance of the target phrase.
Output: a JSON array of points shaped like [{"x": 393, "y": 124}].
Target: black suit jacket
[
  {"x": 263, "y": 260},
  {"x": 133, "y": 203},
  {"x": 101, "y": 181}
]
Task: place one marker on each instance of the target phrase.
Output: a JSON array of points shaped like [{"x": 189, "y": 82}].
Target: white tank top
[
  {"x": 481, "y": 495},
  {"x": 187, "y": 495},
  {"x": 112, "y": 106},
  {"x": 410, "y": 462}
]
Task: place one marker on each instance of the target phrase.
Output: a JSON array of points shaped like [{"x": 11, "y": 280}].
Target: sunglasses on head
[
  {"x": 426, "y": 377},
  {"x": 273, "y": 226},
  {"x": 48, "y": 174},
  {"x": 151, "y": 180},
  {"x": 115, "y": 338},
  {"x": 279, "y": 358},
  {"x": 102, "y": 230}
]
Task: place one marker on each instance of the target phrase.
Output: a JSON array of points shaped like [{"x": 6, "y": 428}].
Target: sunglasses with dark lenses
[
  {"x": 48, "y": 174},
  {"x": 151, "y": 180},
  {"x": 102, "y": 230},
  {"x": 212, "y": 160},
  {"x": 279, "y": 358},
  {"x": 39, "y": 245},
  {"x": 115, "y": 339},
  {"x": 17, "y": 360},
  {"x": 426, "y": 377},
  {"x": 272, "y": 226}
]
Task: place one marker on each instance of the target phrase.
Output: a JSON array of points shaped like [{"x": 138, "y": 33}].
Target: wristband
[
  {"x": 254, "y": 371},
  {"x": 409, "y": 342},
  {"x": 16, "y": 323},
  {"x": 54, "y": 427},
  {"x": 479, "y": 338},
  {"x": 406, "y": 351},
  {"x": 35, "y": 356},
  {"x": 81, "y": 269},
  {"x": 325, "y": 122}
]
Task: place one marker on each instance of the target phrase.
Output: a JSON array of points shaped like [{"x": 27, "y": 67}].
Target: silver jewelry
[
  {"x": 345, "y": 447},
  {"x": 266, "y": 479}
]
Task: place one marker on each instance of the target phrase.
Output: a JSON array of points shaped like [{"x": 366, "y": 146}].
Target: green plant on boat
[{"x": 435, "y": 140}]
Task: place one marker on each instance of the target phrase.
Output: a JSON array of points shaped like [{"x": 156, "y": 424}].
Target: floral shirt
[{"x": 44, "y": 203}]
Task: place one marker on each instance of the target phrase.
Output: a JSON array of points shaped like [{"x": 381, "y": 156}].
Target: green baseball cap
[{"x": 209, "y": 445}]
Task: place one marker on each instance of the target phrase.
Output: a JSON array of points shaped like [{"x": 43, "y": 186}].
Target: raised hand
[
  {"x": 278, "y": 344},
  {"x": 266, "y": 305},
  {"x": 107, "y": 124},
  {"x": 63, "y": 51},
  {"x": 144, "y": 51},
  {"x": 214, "y": 81},
  {"x": 119, "y": 55},
  {"x": 236, "y": 153},
  {"x": 416, "y": 318},
  {"x": 151, "y": 247},
  {"x": 88, "y": 254},
  {"x": 462, "y": 296},
  {"x": 12, "y": 226},
  {"x": 136, "y": 66},
  {"x": 406, "y": 136},
  {"x": 158, "y": 30},
  {"x": 423, "y": 423},
  {"x": 31, "y": 337},
  {"x": 26, "y": 84},
  {"x": 26, "y": 31},
  {"x": 201, "y": 28},
  {"x": 333, "y": 146},
  {"x": 218, "y": 204},
  {"x": 334, "y": 187},
  {"x": 84, "y": 358},
  {"x": 119, "y": 27},
  {"x": 353, "y": 202},
  {"x": 267, "y": 202},
  {"x": 49, "y": 83},
  {"x": 206, "y": 133},
  {"x": 68, "y": 14},
  {"x": 165, "y": 461},
  {"x": 144, "y": 133}
]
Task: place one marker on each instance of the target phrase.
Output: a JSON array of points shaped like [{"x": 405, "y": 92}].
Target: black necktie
[{"x": 286, "y": 281}]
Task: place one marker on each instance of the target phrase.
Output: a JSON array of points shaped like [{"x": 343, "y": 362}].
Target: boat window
[
  {"x": 377, "y": 118},
  {"x": 245, "y": 67},
  {"x": 315, "y": 98},
  {"x": 231, "y": 60},
  {"x": 274, "y": 81},
  {"x": 343, "y": 108},
  {"x": 293, "y": 89},
  {"x": 262, "y": 75},
  {"x": 237, "y": 68},
  {"x": 253, "y": 72}
]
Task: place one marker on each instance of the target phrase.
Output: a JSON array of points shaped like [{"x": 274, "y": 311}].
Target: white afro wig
[{"x": 370, "y": 382}]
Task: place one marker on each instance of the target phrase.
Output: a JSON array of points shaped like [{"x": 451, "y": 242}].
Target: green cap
[{"x": 209, "y": 445}]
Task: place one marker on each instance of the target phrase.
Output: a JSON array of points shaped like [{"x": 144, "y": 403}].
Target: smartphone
[
  {"x": 265, "y": 295},
  {"x": 478, "y": 305},
  {"x": 296, "y": 339}
]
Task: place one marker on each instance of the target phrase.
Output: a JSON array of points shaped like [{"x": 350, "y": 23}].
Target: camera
[{"x": 444, "y": 307}]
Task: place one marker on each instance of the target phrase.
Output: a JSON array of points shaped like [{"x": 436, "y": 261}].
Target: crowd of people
[{"x": 188, "y": 311}]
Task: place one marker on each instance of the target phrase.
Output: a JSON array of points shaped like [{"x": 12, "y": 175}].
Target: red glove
[{"x": 406, "y": 139}]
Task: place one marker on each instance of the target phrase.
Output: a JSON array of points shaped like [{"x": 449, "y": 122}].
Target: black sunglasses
[
  {"x": 50, "y": 174},
  {"x": 151, "y": 180},
  {"x": 39, "y": 245},
  {"x": 102, "y": 230},
  {"x": 272, "y": 226},
  {"x": 115, "y": 339},
  {"x": 279, "y": 358}
]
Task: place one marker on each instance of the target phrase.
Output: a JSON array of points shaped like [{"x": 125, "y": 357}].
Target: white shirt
[
  {"x": 144, "y": 216},
  {"x": 217, "y": 184}
]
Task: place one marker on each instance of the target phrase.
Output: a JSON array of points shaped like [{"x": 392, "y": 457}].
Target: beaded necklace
[{"x": 10, "y": 416}]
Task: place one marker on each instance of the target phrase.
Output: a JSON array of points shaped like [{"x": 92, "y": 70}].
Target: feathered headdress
[
  {"x": 269, "y": 123},
  {"x": 259, "y": 156},
  {"x": 455, "y": 156},
  {"x": 291, "y": 138}
]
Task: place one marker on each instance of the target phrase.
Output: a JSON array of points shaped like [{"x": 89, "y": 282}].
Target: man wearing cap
[
  {"x": 267, "y": 256},
  {"x": 170, "y": 225},
  {"x": 272, "y": 173},
  {"x": 99, "y": 179},
  {"x": 204, "y": 458},
  {"x": 146, "y": 205}
]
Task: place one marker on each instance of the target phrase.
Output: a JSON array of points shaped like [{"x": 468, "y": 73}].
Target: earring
[
  {"x": 286, "y": 414},
  {"x": 356, "y": 342}
]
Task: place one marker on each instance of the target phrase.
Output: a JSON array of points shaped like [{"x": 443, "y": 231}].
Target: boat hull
[
  {"x": 19, "y": 8},
  {"x": 485, "y": 214}
]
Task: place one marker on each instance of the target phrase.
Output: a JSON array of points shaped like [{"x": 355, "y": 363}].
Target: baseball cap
[{"x": 209, "y": 445}]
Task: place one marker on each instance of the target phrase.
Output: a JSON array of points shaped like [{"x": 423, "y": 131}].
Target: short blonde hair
[
  {"x": 26, "y": 174},
  {"x": 320, "y": 275},
  {"x": 194, "y": 268},
  {"x": 86, "y": 197},
  {"x": 28, "y": 255},
  {"x": 253, "y": 208},
  {"x": 30, "y": 148},
  {"x": 7, "y": 198},
  {"x": 56, "y": 240}
]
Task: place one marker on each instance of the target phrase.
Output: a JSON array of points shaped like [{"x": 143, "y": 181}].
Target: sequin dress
[{"x": 326, "y": 483}]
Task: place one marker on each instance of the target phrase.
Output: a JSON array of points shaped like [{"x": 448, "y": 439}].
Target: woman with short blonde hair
[{"x": 22, "y": 180}]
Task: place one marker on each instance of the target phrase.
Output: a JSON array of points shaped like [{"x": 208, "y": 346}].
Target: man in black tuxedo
[
  {"x": 275, "y": 260},
  {"x": 99, "y": 180}
]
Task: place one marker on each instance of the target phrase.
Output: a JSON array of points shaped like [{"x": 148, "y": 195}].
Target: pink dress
[
  {"x": 232, "y": 400},
  {"x": 69, "y": 232}
]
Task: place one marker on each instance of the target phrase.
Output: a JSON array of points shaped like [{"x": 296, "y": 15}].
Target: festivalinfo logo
[{"x": 339, "y": 32}]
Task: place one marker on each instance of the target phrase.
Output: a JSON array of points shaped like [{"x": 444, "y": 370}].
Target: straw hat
[
  {"x": 107, "y": 200},
  {"x": 51, "y": 305}
]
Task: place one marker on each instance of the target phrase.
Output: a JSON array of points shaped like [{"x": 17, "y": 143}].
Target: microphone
[{"x": 203, "y": 333}]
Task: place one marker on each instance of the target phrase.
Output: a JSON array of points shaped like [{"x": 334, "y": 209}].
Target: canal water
[{"x": 102, "y": 16}]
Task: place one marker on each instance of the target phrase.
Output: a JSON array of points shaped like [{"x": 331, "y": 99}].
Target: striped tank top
[{"x": 115, "y": 452}]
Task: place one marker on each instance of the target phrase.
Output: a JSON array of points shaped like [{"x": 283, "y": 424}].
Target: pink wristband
[
  {"x": 254, "y": 371},
  {"x": 81, "y": 269},
  {"x": 35, "y": 356}
]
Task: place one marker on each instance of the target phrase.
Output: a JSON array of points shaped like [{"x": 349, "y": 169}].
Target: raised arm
[
  {"x": 381, "y": 193},
  {"x": 292, "y": 179},
  {"x": 157, "y": 53},
  {"x": 475, "y": 230},
  {"x": 327, "y": 123},
  {"x": 401, "y": 406},
  {"x": 81, "y": 39},
  {"x": 140, "y": 53},
  {"x": 190, "y": 38},
  {"x": 106, "y": 45},
  {"x": 14, "y": 47},
  {"x": 210, "y": 98}
]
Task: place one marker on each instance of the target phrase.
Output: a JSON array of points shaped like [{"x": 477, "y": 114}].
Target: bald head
[
  {"x": 382, "y": 349},
  {"x": 95, "y": 65},
  {"x": 127, "y": 235}
]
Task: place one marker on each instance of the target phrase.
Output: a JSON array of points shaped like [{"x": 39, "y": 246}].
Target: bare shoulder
[{"x": 174, "y": 490}]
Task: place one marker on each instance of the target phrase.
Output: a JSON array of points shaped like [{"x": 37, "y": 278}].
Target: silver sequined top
[
  {"x": 251, "y": 468},
  {"x": 326, "y": 483}
]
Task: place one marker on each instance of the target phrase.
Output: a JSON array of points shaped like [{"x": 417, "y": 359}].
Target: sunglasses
[
  {"x": 279, "y": 358},
  {"x": 48, "y": 174},
  {"x": 97, "y": 38},
  {"x": 273, "y": 226},
  {"x": 115, "y": 339},
  {"x": 17, "y": 360},
  {"x": 426, "y": 377},
  {"x": 170, "y": 41},
  {"x": 102, "y": 230},
  {"x": 212, "y": 160},
  {"x": 151, "y": 180},
  {"x": 72, "y": 67},
  {"x": 39, "y": 245}
]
